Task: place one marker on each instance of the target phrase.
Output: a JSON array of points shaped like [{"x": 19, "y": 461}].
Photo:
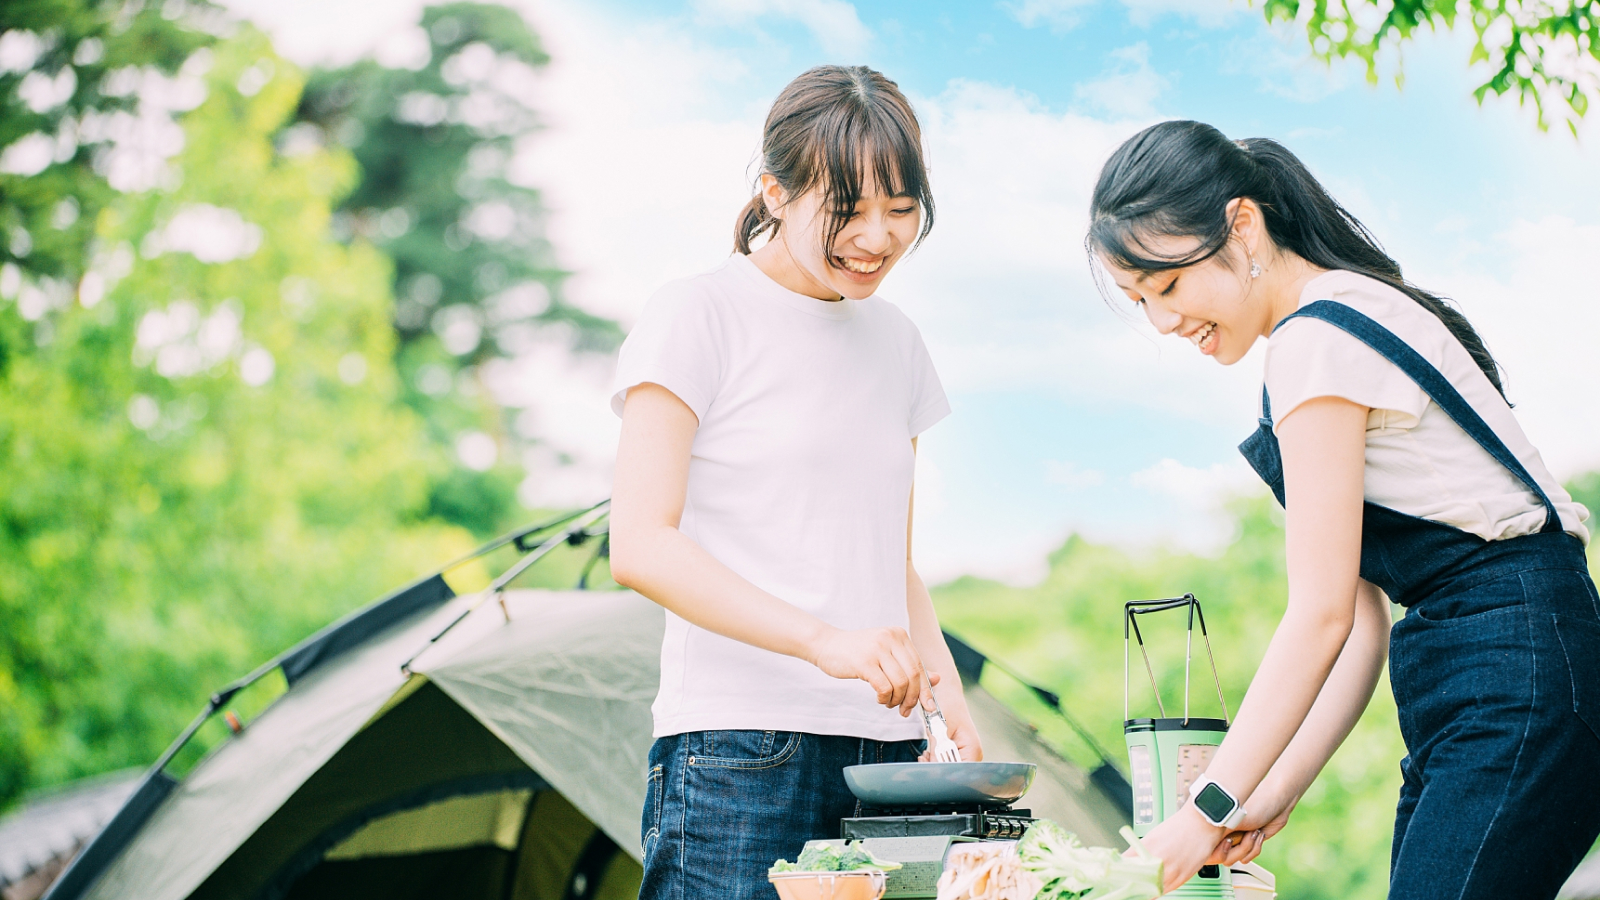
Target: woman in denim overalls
[{"x": 1387, "y": 397}]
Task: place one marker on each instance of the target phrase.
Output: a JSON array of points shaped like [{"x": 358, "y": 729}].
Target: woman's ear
[
  {"x": 773, "y": 195},
  {"x": 1249, "y": 226}
]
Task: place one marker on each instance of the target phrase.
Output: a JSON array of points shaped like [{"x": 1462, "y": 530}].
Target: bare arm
[
  {"x": 650, "y": 555},
  {"x": 1344, "y": 697},
  {"x": 935, "y": 653},
  {"x": 1323, "y": 443}
]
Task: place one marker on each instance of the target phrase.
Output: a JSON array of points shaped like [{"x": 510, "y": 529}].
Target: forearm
[
  {"x": 1323, "y": 442},
  {"x": 1298, "y": 661},
  {"x": 665, "y": 565},
  {"x": 1342, "y": 700}
]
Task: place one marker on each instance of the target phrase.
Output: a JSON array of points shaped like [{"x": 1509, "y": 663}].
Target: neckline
[{"x": 839, "y": 310}]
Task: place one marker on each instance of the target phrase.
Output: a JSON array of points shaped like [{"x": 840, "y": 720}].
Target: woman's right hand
[{"x": 882, "y": 657}]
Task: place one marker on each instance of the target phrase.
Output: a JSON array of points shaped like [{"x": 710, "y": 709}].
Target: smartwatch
[{"x": 1215, "y": 803}]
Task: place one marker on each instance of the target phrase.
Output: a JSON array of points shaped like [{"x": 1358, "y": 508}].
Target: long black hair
[
  {"x": 1175, "y": 179},
  {"x": 832, "y": 128}
]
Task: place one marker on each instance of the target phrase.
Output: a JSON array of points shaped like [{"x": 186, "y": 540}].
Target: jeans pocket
[
  {"x": 1580, "y": 642},
  {"x": 652, "y": 809},
  {"x": 745, "y": 749}
]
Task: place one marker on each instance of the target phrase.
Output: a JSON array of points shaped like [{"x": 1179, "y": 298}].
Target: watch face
[{"x": 1214, "y": 802}]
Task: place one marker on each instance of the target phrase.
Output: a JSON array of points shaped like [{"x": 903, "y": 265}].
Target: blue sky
[{"x": 1069, "y": 416}]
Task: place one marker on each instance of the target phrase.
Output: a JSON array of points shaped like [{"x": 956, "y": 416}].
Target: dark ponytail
[
  {"x": 753, "y": 220},
  {"x": 1175, "y": 179},
  {"x": 834, "y": 128}
]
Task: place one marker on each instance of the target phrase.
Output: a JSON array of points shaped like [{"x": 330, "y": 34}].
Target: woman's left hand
[{"x": 1185, "y": 842}]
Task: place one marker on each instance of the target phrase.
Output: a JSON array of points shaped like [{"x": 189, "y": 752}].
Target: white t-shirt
[
  {"x": 1418, "y": 460},
  {"x": 799, "y": 481}
]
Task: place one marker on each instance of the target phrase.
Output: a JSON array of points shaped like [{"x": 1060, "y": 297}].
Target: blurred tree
[
  {"x": 204, "y": 457},
  {"x": 1541, "y": 51},
  {"x": 474, "y": 276},
  {"x": 85, "y": 98}
]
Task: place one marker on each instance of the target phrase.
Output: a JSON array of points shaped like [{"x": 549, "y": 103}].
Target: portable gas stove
[
  {"x": 974, "y": 820},
  {"x": 919, "y": 838},
  {"x": 913, "y": 812}
]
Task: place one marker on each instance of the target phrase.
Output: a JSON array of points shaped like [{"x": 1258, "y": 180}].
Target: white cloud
[
  {"x": 1539, "y": 316},
  {"x": 336, "y": 32},
  {"x": 1060, "y": 15},
  {"x": 632, "y": 158},
  {"x": 1129, "y": 88},
  {"x": 1070, "y": 475},
  {"x": 834, "y": 23},
  {"x": 1196, "y": 516},
  {"x": 1207, "y": 13},
  {"x": 1064, "y": 15}
]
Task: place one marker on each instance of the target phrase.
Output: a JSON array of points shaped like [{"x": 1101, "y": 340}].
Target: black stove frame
[{"x": 980, "y": 822}]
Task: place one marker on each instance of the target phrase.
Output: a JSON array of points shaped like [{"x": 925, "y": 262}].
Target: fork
[{"x": 944, "y": 749}]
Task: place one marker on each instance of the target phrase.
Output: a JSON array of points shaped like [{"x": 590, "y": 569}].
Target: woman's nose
[
  {"x": 874, "y": 237},
  {"x": 1163, "y": 318}
]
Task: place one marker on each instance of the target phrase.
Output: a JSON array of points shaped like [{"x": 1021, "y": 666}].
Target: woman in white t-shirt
[
  {"x": 770, "y": 410},
  {"x": 1404, "y": 477}
]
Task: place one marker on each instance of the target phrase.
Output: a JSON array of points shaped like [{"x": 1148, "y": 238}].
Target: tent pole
[{"x": 580, "y": 531}]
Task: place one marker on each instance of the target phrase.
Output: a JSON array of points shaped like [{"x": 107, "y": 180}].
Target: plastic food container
[
  {"x": 863, "y": 885},
  {"x": 1252, "y": 882}
]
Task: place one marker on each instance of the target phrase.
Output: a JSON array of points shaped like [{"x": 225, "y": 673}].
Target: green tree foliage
[
  {"x": 1066, "y": 634},
  {"x": 474, "y": 276},
  {"x": 207, "y": 458},
  {"x": 1544, "y": 52},
  {"x": 69, "y": 76}
]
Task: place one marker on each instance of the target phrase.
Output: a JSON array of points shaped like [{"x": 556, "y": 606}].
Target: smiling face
[
  {"x": 881, "y": 230},
  {"x": 1215, "y": 303},
  {"x": 1207, "y": 303}
]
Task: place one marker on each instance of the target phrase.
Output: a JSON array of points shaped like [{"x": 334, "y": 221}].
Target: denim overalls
[{"x": 1495, "y": 669}]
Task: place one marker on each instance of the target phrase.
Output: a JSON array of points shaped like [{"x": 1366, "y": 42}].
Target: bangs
[
  {"x": 1123, "y": 241},
  {"x": 866, "y": 146}
]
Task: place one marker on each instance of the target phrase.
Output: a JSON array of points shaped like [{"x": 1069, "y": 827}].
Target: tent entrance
[
  {"x": 425, "y": 802},
  {"x": 522, "y": 844}
]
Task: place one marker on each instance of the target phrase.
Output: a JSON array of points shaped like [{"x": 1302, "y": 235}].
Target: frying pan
[{"x": 933, "y": 783}]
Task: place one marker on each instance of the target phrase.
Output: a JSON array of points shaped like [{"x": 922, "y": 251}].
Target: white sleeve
[
  {"x": 676, "y": 344},
  {"x": 928, "y": 402},
  {"x": 1309, "y": 358}
]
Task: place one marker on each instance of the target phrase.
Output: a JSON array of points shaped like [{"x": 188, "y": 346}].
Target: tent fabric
[
  {"x": 423, "y": 750},
  {"x": 243, "y": 782},
  {"x": 360, "y": 626},
  {"x": 567, "y": 684},
  {"x": 466, "y": 820},
  {"x": 556, "y": 697}
]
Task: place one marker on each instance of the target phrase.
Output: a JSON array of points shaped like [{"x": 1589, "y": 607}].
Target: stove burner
[{"x": 956, "y": 820}]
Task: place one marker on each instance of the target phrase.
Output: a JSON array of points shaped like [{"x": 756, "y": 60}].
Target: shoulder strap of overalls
[{"x": 1432, "y": 382}]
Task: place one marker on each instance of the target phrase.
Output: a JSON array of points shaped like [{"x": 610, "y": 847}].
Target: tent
[{"x": 431, "y": 745}]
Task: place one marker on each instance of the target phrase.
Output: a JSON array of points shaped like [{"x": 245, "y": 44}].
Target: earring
[{"x": 1255, "y": 268}]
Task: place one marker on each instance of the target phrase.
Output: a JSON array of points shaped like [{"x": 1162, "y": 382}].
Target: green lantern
[{"x": 1167, "y": 754}]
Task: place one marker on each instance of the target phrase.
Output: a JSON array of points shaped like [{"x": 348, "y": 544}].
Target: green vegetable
[
  {"x": 853, "y": 857},
  {"x": 1071, "y": 871}
]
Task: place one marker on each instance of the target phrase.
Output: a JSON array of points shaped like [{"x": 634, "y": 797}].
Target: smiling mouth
[
  {"x": 861, "y": 266},
  {"x": 1205, "y": 338}
]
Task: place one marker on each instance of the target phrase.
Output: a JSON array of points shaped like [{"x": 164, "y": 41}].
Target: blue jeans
[
  {"x": 722, "y": 806},
  {"x": 1498, "y": 689}
]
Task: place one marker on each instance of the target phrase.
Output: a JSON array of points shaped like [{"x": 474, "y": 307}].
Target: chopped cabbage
[
  {"x": 1071, "y": 871},
  {"x": 853, "y": 857}
]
